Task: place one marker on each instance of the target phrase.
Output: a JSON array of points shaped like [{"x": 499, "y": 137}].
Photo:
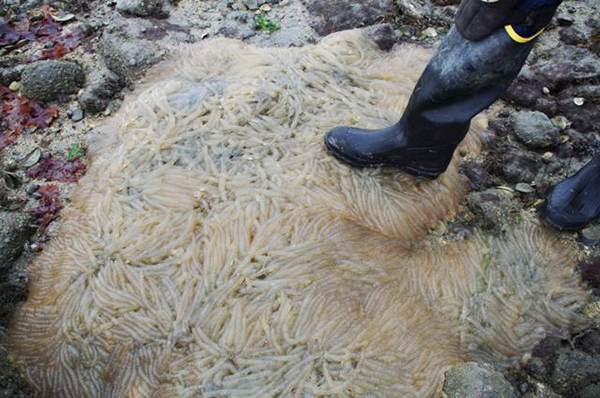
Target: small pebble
[
  {"x": 524, "y": 188},
  {"x": 546, "y": 90},
  {"x": 430, "y": 32},
  {"x": 32, "y": 189},
  {"x": 77, "y": 115},
  {"x": 37, "y": 247},
  {"x": 592, "y": 232},
  {"x": 547, "y": 156},
  {"x": 14, "y": 86}
]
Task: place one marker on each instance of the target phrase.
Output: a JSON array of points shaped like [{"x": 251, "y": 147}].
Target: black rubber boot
[
  {"x": 463, "y": 78},
  {"x": 574, "y": 202}
]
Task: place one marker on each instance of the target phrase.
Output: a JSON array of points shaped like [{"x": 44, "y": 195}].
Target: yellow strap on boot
[{"x": 517, "y": 37}]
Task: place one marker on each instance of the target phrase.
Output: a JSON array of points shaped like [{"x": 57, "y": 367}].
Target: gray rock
[
  {"x": 445, "y": 15},
  {"x": 15, "y": 229},
  {"x": 591, "y": 391},
  {"x": 328, "y": 16},
  {"x": 564, "y": 66},
  {"x": 414, "y": 8},
  {"x": 7, "y": 76},
  {"x": 11, "y": 383},
  {"x": 573, "y": 371},
  {"x": 129, "y": 58},
  {"x": 543, "y": 357},
  {"x": 254, "y": 4},
  {"x": 104, "y": 85},
  {"x": 518, "y": 166},
  {"x": 476, "y": 381},
  {"x": 529, "y": 95},
  {"x": 572, "y": 36},
  {"x": 384, "y": 35},
  {"x": 492, "y": 207},
  {"x": 591, "y": 233},
  {"x": 589, "y": 341},
  {"x": 49, "y": 80},
  {"x": 583, "y": 118},
  {"x": 235, "y": 30},
  {"x": 478, "y": 176},
  {"x": 287, "y": 36},
  {"x": 142, "y": 8},
  {"x": 535, "y": 129},
  {"x": 77, "y": 115},
  {"x": 240, "y": 16}
]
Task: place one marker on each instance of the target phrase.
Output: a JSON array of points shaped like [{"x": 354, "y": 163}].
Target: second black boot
[
  {"x": 574, "y": 202},
  {"x": 463, "y": 78}
]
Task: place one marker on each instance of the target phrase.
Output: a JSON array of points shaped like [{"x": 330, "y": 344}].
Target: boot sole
[{"x": 409, "y": 169}]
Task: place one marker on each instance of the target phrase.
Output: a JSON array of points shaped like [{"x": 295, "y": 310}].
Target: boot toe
[
  {"x": 568, "y": 208},
  {"x": 340, "y": 146},
  {"x": 562, "y": 218}
]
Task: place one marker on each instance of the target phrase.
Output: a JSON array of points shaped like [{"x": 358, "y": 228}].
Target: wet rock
[
  {"x": 583, "y": 117},
  {"x": 535, "y": 129},
  {"x": 542, "y": 359},
  {"x": 589, "y": 341},
  {"x": 287, "y": 36},
  {"x": 573, "y": 371},
  {"x": 492, "y": 208},
  {"x": 591, "y": 391},
  {"x": 255, "y": 4},
  {"x": 478, "y": 176},
  {"x": 518, "y": 166},
  {"x": 49, "y": 80},
  {"x": 529, "y": 95},
  {"x": 9, "y": 75},
  {"x": 162, "y": 28},
  {"x": 142, "y": 8},
  {"x": 414, "y": 8},
  {"x": 445, "y": 15},
  {"x": 235, "y": 30},
  {"x": 564, "y": 19},
  {"x": 328, "y": 16},
  {"x": 384, "y": 35},
  {"x": 77, "y": 115},
  {"x": 564, "y": 66},
  {"x": 129, "y": 58},
  {"x": 590, "y": 274},
  {"x": 33, "y": 188},
  {"x": 590, "y": 92},
  {"x": 104, "y": 85},
  {"x": 240, "y": 16},
  {"x": 582, "y": 144},
  {"x": 15, "y": 229},
  {"x": 11, "y": 384},
  {"x": 572, "y": 36},
  {"x": 591, "y": 233},
  {"x": 476, "y": 381}
]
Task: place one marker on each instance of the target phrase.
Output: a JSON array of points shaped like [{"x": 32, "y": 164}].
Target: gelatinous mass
[{"x": 215, "y": 249}]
